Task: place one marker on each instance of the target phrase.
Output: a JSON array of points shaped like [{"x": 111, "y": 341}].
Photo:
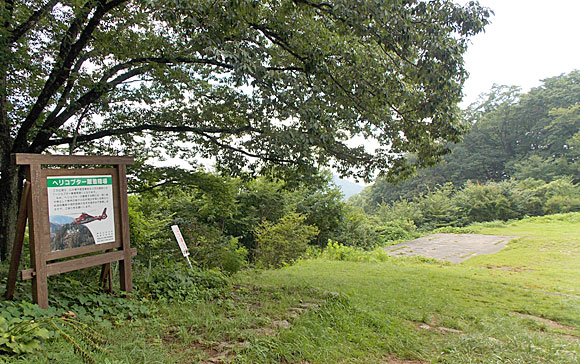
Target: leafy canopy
[{"x": 250, "y": 83}]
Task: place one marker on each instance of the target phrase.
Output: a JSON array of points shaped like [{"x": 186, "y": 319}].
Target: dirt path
[{"x": 454, "y": 248}]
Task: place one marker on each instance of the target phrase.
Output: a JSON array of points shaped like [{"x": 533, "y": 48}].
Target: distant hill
[
  {"x": 346, "y": 187},
  {"x": 61, "y": 220}
]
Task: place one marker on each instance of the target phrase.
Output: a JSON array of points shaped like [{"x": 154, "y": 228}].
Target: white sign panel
[
  {"x": 80, "y": 211},
  {"x": 180, "y": 240}
]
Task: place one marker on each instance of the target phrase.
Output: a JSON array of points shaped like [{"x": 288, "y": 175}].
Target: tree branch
[
  {"x": 276, "y": 39},
  {"x": 94, "y": 94},
  {"x": 68, "y": 53},
  {"x": 67, "y": 89},
  {"x": 244, "y": 152},
  {"x": 319, "y": 6},
  {"x": 20, "y": 30},
  {"x": 152, "y": 127},
  {"x": 162, "y": 60},
  {"x": 204, "y": 132},
  {"x": 151, "y": 188}
]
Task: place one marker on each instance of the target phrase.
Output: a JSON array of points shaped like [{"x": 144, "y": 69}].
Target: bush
[
  {"x": 491, "y": 201},
  {"x": 561, "y": 196},
  {"x": 283, "y": 241},
  {"x": 337, "y": 251},
  {"x": 399, "y": 210},
  {"x": 178, "y": 282},
  {"x": 232, "y": 256},
  {"x": 476, "y": 203},
  {"x": 437, "y": 208},
  {"x": 397, "y": 230},
  {"x": 357, "y": 230},
  {"x": 149, "y": 227}
]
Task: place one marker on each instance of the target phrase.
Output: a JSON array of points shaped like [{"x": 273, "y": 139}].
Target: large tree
[
  {"x": 511, "y": 135},
  {"x": 248, "y": 82}
]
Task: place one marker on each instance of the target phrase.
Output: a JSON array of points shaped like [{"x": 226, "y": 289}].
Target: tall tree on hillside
[
  {"x": 248, "y": 82},
  {"x": 512, "y": 134}
]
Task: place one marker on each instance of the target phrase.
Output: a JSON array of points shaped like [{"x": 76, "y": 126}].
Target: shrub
[
  {"x": 178, "y": 282},
  {"x": 437, "y": 207},
  {"x": 232, "y": 256},
  {"x": 357, "y": 230},
  {"x": 491, "y": 201},
  {"x": 283, "y": 241},
  {"x": 149, "y": 228},
  {"x": 560, "y": 196},
  {"x": 337, "y": 251},
  {"x": 397, "y": 230},
  {"x": 399, "y": 210}
]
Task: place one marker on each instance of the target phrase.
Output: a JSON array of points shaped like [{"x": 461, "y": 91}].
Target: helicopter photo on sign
[{"x": 80, "y": 210}]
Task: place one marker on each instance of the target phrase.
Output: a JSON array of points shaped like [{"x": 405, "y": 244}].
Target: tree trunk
[{"x": 10, "y": 188}]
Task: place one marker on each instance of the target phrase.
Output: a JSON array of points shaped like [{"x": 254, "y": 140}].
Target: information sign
[
  {"x": 80, "y": 210},
  {"x": 78, "y": 217}
]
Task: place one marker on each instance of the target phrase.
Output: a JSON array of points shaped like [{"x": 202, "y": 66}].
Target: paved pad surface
[{"x": 454, "y": 248}]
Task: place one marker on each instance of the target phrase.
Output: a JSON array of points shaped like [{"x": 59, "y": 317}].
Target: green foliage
[
  {"x": 337, "y": 251},
  {"x": 396, "y": 230},
  {"x": 201, "y": 210},
  {"x": 18, "y": 336},
  {"x": 283, "y": 241},
  {"x": 561, "y": 195},
  {"x": 447, "y": 207},
  {"x": 24, "y": 327},
  {"x": 511, "y": 135},
  {"x": 322, "y": 206},
  {"x": 437, "y": 207},
  {"x": 357, "y": 229},
  {"x": 399, "y": 210},
  {"x": 455, "y": 230},
  {"x": 178, "y": 282},
  {"x": 84, "y": 340},
  {"x": 148, "y": 227},
  {"x": 491, "y": 201},
  {"x": 218, "y": 216},
  {"x": 201, "y": 79},
  {"x": 232, "y": 256}
]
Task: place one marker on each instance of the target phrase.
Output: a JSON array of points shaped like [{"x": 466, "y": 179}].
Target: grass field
[{"x": 521, "y": 305}]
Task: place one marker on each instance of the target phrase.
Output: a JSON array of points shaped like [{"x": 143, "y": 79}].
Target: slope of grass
[
  {"x": 501, "y": 303},
  {"x": 520, "y": 305}
]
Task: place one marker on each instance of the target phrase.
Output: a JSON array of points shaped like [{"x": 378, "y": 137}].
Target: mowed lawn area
[{"x": 521, "y": 305}]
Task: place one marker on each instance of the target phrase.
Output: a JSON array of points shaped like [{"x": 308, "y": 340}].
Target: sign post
[
  {"x": 181, "y": 243},
  {"x": 72, "y": 212}
]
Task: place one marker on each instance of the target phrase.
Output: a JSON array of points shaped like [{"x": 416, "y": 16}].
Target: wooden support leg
[
  {"x": 37, "y": 233},
  {"x": 126, "y": 277},
  {"x": 18, "y": 242},
  {"x": 107, "y": 278}
]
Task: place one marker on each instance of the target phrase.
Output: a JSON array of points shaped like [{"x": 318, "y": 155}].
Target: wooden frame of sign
[{"x": 47, "y": 193}]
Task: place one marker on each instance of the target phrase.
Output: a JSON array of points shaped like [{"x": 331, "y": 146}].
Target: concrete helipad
[{"x": 454, "y": 248}]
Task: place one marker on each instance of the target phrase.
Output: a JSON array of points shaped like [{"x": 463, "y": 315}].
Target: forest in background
[{"x": 512, "y": 135}]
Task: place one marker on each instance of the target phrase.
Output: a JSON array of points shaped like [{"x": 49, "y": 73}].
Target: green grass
[
  {"x": 521, "y": 305},
  {"x": 537, "y": 275}
]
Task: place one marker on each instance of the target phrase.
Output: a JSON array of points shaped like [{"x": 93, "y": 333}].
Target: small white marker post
[{"x": 181, "y": 243}]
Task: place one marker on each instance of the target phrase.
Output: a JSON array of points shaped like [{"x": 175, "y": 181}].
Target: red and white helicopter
[{"x": 85, "y": 218}]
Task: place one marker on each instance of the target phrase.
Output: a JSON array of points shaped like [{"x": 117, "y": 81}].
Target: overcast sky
[{"x": 528, "y": 40}]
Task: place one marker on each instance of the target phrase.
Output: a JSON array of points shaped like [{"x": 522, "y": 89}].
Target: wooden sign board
[{"x": 72, "y": 212}]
